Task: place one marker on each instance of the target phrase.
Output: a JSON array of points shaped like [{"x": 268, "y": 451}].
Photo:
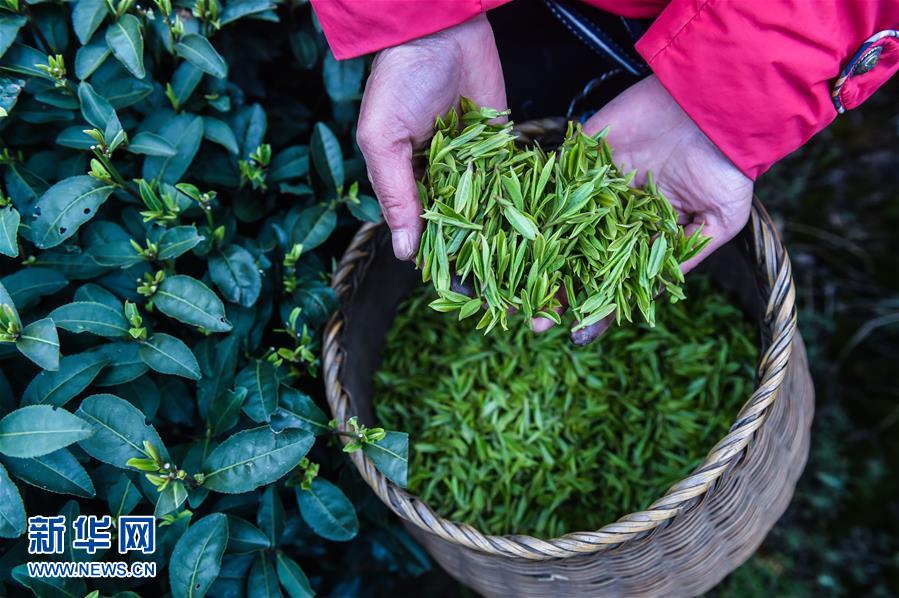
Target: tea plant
[
  {"x": 524, "y": 226},
  {"x": 519, "y": 433},
  {"x": 162, "y": 294}
]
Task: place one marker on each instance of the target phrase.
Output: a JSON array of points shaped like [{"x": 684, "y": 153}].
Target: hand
[
  {"x": 649, "y": 131},
  {"x": 409, "y": 87}
]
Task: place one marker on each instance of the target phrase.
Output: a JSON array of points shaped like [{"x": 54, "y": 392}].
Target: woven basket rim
[{"x": 779, "y": 320}]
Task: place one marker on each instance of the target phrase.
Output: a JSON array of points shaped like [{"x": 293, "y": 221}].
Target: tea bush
[{"x": 171, "y": 174}]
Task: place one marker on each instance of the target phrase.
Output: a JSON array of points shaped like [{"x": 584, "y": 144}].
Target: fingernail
[{"x": 402, "y": 244}]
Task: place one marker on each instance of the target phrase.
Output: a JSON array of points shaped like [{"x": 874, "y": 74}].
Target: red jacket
[{"x": 759, "y": 77}]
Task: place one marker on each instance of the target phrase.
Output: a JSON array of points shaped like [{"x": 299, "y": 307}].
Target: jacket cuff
[
  {"x": 357, "y": 27},
  {"x": 755, "y": 91}
]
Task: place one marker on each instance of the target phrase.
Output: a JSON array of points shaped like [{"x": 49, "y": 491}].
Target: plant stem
[{"x": 117, "y": 177}]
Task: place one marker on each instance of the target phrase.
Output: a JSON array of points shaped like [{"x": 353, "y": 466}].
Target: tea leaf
[
  {"x": 197, "y": 556},
  {"x": 119, "y": 429},
  {"x": 197, "y": 50},
  {"x": 57, "y": 472},
  {"x": 328, "y": 511},
  {"x": 254, "y": 457},
  {"x": 39, "y": 342},
  {"x": 127, "y": 44},
  {"x": 38, "y": 430},
  {"x": 169, "y": 355},
  {"x": 190, "y": 301},
  {"x": 12, "y": 511},
  {"x": 65, "y": 207}
]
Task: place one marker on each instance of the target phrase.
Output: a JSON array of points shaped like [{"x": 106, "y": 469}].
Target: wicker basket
[{"x": 684, "y": 543}]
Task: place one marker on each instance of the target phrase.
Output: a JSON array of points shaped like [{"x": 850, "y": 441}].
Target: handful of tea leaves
[
  {"x": 522, "y": 225},
  {"x": 523, "y": 433}
]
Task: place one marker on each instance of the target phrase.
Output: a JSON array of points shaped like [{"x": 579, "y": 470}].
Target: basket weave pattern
[{"x": 686, "y": 541}]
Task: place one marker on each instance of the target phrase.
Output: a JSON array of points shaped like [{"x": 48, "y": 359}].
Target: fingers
[
  {"x": 543, "y": 324},
  {"x": 588, "y": 334},
  {"x": 389, "y": 164}
]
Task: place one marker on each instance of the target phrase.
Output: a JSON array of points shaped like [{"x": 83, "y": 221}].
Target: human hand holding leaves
[
  {"x": 409, "y": 87},
  {"x": 649, "y": 131}
]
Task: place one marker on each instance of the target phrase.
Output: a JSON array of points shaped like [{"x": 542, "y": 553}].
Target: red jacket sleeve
[
  {"x": 760, "y": 78},
  {"x": 357, "y": 27}
]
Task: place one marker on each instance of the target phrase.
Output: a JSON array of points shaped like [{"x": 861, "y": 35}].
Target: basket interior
[{"x": 384, "y": 281}]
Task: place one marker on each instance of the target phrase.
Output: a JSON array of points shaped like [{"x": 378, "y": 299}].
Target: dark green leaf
[
  {"x": 170, "y": 499},
  {"x": 260, "y": 378},
  {"x": 327, "y": 156},
  {"x": 244, "y": 537},
  {"x": 343, "y": 78},
  {"x": 250, "y": 126},
  {"x": 122, "y": 496},
  {"x": 185, "y": 81},
  {"x": 197, "y": 557},
  {"x": 177, "y": 241},
  {"x": 313, "y": 226},
  {"x": 197, "y": 50},
  {"x": 184, "y": 132},
  {"x": 270, "y": 517},
  {"x": 304, "y": 48},
  {"x": 75, "y": 373},
  {"x": 190, "y": 301},
  {"x": 27, "y": 286},
  {"x": 60, "y": 587},
  {"x": 58, "y": 472},
  {"x": 38, "y": 430},
  {"x": 127, "y": 44},
  {"x": 292, "y": 577},
  {"x": 391, "y": 456},
  {"x": 118, "y": 86},
  {"x": 12, "y": 511},
  {"x": 89, "y": 58},
  {"x": 367, "y": 210},
  {"x": 225, "y": 410},
  {"x": 96, "y": 318},
  {"x": 86, "y": 18},
  {"x": 75, "y": 138},
  {"x": 218, "y": 131},
  {"x": 297, "y": 410},
  {"x": 39, "y": 342},
  {"x": 289, "y": 163},
  {"x": 10, "y": 90},
  {"x": 115, "y": 254},
  {"x": 262, "y": 582},
  {"x": 65, "y": 207},
  {"x": 328, "y": 511},
  {"x": 95, "y": 108},
  {"x": 20, "y": 58},
  {"x": 168, "y": 355},
  {"x": 124, "y": 364},
  {"x": 119, "y": 429},
  {"x": 237, "y": 9},
  {"x": 253, "y": 458},
  {"x": 9, "y": 29},
  {"x": 316, "y": 301},
  {"x": 9, "y": 230},
  {"x": 151, "y": 144},
  {"x": 235, "y": 273}
]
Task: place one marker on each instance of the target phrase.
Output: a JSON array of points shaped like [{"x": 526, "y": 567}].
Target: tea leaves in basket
[{"x": 527, "y": 434}]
